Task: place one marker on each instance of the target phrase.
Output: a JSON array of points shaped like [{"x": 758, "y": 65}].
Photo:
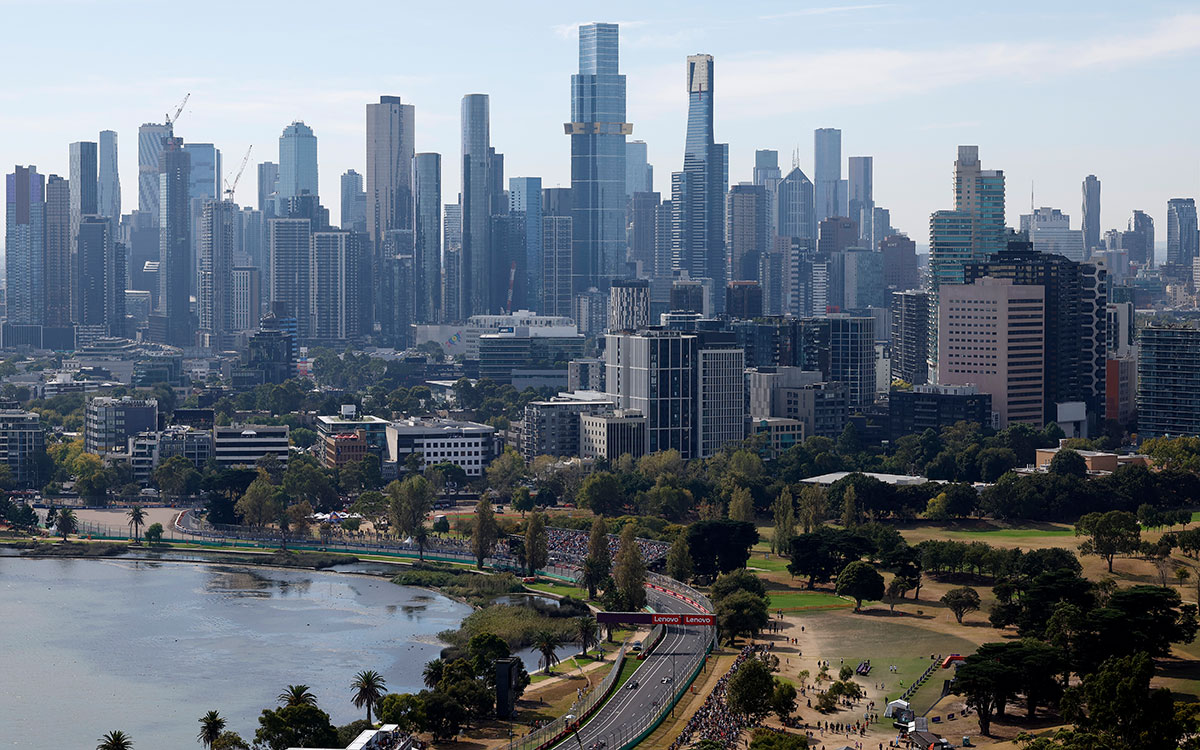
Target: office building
[
  {"x": 57, "y": 258},
  {"x": 336, "y": 270},
  {"x": 270, "y": 356},
  {"x": 720, "y": 397},
  {"x": 291, "y": 269},
  {"x": 109, "y": 422},
  {"x": 175, "y": 267},
  {"x": 899, "y": 262},
  {"x": 991, "y": 334},
  {"x": 25, "y": 247},
  {"x": 975, "y": 228},
  {"x": 247, "y": 444},
  {"x": 85, "y": 194},
  {"x": 1141, "y": 226},
  {"x": 525, "y": 208},
  {"x": 861, "y": 198},
  {"x": 860, "y": 272},
  {"x": 842, "y": 348},
  {"x": 22, "y": 443},
  {"x": 610, "y": 435},
  {"x": 1183, "y": 242},
  {"x": 477, "y": 202},
  {"x": 1049, "y": 229},
  {"x": 836, "y": 234},
  {"x": 698, "y": 192},
  {"x": 746, "y": 230},
  {"x": 827, "y": 173},
  {"x": 767, "y": 174},
  {"x": 639, "y": 174},
  {"x": 101, "y": 278},
  {"x": 551, "y": 428},
  {"x": 1168, "y": 399},
  {"x": 218, "y": 230},
  {"x": 802, "y": 397},
  {"x": 297, "y": 165},
  {"x": 390, "y": 153},
  {"x": 245, "y": 299},
  {"x": 796, "y": 212},
  {"x": 109, "y": 180},
  {"x": 643, "y": 233},
  {"x": 598, "y": 132},
  {"x": 744, "y": 300},
  {"x": 932, "y": 407},
  {"x": 628, "y": 305},
  {"x": 469, "y": 445},
  {"x": 354, "y": 202},
  {"x": 1091, "y": 214},
  {"x": 427, "y": 246},
  {"x": 151, "y": 139},
  {"x": 268, "y": 187},
  {"x": 503, "y": 353},
  {"x": 689, "y": 295},
  {"x": 910, "y": 336}
]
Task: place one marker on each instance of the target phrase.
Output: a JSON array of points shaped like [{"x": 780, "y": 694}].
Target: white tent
[{"x": 891, "y": 707}]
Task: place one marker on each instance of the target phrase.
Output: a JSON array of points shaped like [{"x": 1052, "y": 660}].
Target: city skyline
[{"x": 868, "y": 64}]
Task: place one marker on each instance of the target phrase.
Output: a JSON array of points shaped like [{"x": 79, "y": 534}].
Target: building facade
[{"x": 1168, "y": 400}]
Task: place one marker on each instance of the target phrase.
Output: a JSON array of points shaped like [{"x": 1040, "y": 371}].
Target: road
[{"x": 618, "y": 717}]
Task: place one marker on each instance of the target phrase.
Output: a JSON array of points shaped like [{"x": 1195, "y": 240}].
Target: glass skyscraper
[
  {"x": 427, "y": 251},
  {"x": 297, "y": 164},
  {"x": 827, "y": 173},
  {"x": 525, "y": 200},
  {"x": 476, "y": 201},
  {"x": 698, "y": 192},
  {"x": 598, "y": 130},
  {"x": 150, "y": 147},
  {"x": 25, "y": 246},
  {"x": 109, "y": 195}
]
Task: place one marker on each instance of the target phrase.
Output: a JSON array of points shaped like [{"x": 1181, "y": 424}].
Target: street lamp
[{"x": 574, "y": 728}]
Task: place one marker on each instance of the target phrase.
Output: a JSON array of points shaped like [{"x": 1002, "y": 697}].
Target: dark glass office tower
[
  {"x": 698, "y": 192},
  {"x": 25, "y": 245},
  {"x": 85, "y": 196},
  {"x": 598, "y": 130},
  {"x": 427, "y": 245},
  {"x": 175, "y": 244},
  {"x": 476, "y": 201}
]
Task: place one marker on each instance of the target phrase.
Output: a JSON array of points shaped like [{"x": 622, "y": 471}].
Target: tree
[
  {"x": 960, "y": 601},
  {"x": 545, "y": 642},
  {"x": 405, "y": 710},
  {"x": 296, "y": 695},
  {"x": 154, "y": 534},
  {"x": 304, "y": 480},
  {"x": 750, "y": 689},
  {"x": 410, "y": 502},
  {"x": 177, "y": 476},
  {"x": 850, "y": 511},
  {"x": 368, "y": 686},
  {"x": 719, "y": 546},
  {"x": 735, "y": 581},
  {"x": 522, "y": 501},
  {"x": 299, "y": 518},
  {"x": 302, "y": 725},
  {"x": 1068, "y": 463},
  {"x": 259, "y": 506},
  {"x": 137, "y": 517},
  {"x": 212, "y": 724},
  {"x": 742, "y": 613},
  {"x": 505, "y": 472},
  {"x": 115, "y": 740},
  {"x": 986, "y": 685},
  {"x": 741, "y": 506},
  {"x": 813, "y": 507},
  {"x": 444, "y": 716},
  {"x": 679, "y": 559},
  {"x": 768, "y": 739},
  {"x": 585, "y": 632},
  {"x": 486, "y": 531},
  {"x": 629, "y": 572},
  {"x": 229, "y": 741},
  {"x": 591, "y": 576},
  {"x": 896, "y": 589},
  {"x": 66, "y": 523},
  {"x": 598, "y": 550},
  {"x": 537, "y": 545},
  {"x": 785, "y": 522},
  {"x": 822, "y": 553},
  {"x": 483, "y": 650},
  {"x": 1112, "y": 533},
  {"x": 602, "y": 493},
  {"x": 859, "y": 580},
  {"x": 1117, "y": 705},
  {"x": 783, "y": 699},
  {"x": 432, "y": 674}
]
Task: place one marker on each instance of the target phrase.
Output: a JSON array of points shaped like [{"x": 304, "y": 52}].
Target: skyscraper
[
  {"x": 628, "y": 304},
  {"x": 746, "y": 230},
  {"x": 297, "y": 165},
  {"x": 698, "y": 192},
  {"x": 102, "y": 279},
  {"x": 910, "y": 336},
  {"x": 268, "y": 185},
  {"x": 452, "y": 286},
  {"x": 335, "y": 269},
  {"x": 151, "y": 136},
  {"x": 175, "y": 244},
  {"x": 109, "y": 195},
  {"x": 354, "y": 202},
  {"x": 827, "y": 172},
  {"x": 25, "y": 246},
  {"x": 639, "y": 174},
  {"x": 1168, "y": 381},
  {"x": 1049, "y": 229},
  {"x": 557, "y": 251},
  {"x": 598, "y": 156},
  {"x": 861, "y": 201},
  {"x": 1142, "y": 225},
  {"x": 643, "y": 228},
  {"x": 291, "y": 270},
  {"x": 84, "y": 201},
  {"x": 58, "y": 251},
  {"x": 1182, "y": 239},
  {"x": 796, "y": 214},
  {"x": 204, "y": 180},
  {"x": 1091, "y": 214},
  {"x": 476, "y": 200},
  {"x": 525, "y": 202},
  {"x": 427, "y": 246},
  {"x": 218, "y": 228},
  {"x": 390, "y": 149},
  {"x": 766, "y": 173}
]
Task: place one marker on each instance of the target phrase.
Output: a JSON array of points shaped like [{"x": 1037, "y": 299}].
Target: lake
[{"x": 148, "y": 647}]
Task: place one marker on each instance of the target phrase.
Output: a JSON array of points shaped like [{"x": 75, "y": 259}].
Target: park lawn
[
  {"x": 561, "y": 589},
  {"x": 773, "y": 563},
  {"x": 805, "y": 600}
]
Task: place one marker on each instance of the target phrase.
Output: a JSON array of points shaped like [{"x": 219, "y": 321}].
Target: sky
[{"x": 1050, "y": 91}]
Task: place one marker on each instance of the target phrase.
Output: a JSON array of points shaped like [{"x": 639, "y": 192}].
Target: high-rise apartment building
[
  {"x": 1091, "y": 214},
  {"x": 746, "y": 230},
  {"x": 557, "y": 256},
  {"x": 85, "y": 200},
  {"x": 861, "y": 200},
  {"x": 25, "y": 246},
  {"x": 151, "y": 137},
  {"x": 643, "y": 232},
  {"x": 910, "y": 336},
  {"x": 427, "y": 237},
  {"x": 109, "y": 180},
  {"x": 390, "y": 150},
  {"x": 829, "y": 190},
  {"x": 297, "y": 165},
  {"x": 58, "y": 251},
  {"x": 639, "y": 174},
  {"x": 525, "y": 206},
  {"x": 245, "y": 299},
  {"x": 452, "y": 285},
  {"x": 1183, "y": 242},
  {"x": 720, "y": 397},
  {"x": 1168, "y": 381},
  {"x": 102, "y": 278},
  {"x": 354, "y": 202},
  {"x": 175, "y": 267},
  {"x": 628, "y": 305},
  {"x": 218, "y": 232},
  {"x": 698, "y": 192},
  {"x": 291, "y": 270},
  {"x": 598, "y": 157},
  {"x": 335, "y": 296},
  {"x": 268, "y": 187},
  {"x": 991, "y": 335},
  {"x": 478, "y": 203}
]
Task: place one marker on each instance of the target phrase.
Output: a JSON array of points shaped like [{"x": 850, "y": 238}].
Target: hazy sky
[{"x": 1050, "y": 91}]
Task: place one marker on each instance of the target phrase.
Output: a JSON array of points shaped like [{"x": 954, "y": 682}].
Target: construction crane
[
  {"x": 229, "y": 188},
  {"x": 178, "y": 110}
]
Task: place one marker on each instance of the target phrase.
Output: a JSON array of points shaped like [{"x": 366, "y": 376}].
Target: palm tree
[
  {"x": 545, "y": 642},
  {"x": 211, "y": 726},
  {"x": 297, "y": 695},
  {"x": 115, "y": 740},
  {"x": 368, "y": 687},
  {"x": 433, "y": 672},
  {"x": 137, "y": 518},
  {"x": 66, "y": 524},
  {"x": 585, "y": 632}
]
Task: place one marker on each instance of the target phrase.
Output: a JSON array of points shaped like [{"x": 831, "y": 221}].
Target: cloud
[{"x": 825, "y": 11}]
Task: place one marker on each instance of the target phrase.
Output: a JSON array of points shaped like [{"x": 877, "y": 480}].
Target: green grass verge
[
  {"x": 561, "y": 589},
  {"x": 805, "y": 599}
]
